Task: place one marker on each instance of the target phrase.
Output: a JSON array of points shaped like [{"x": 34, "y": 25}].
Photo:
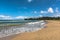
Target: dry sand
[{"x": 51, "y": 32}]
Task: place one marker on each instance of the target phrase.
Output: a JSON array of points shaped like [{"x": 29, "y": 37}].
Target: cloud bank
[
  {"x": 5, "y": 17},
  {"x": 20, "y": 17},
  {"x": 9, "y": 17}
]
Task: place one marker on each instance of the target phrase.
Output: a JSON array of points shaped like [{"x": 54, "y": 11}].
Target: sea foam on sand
[{"x": 28, "y": 27}]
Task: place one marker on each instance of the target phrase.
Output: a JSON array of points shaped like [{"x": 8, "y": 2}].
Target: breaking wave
[{"x": 27, "y": 27}]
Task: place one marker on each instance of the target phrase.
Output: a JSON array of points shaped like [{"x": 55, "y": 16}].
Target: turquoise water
[{"x": 16, "y": 21}]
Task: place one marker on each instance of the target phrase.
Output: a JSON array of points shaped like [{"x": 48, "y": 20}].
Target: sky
[{"x": 20, "y": 9}]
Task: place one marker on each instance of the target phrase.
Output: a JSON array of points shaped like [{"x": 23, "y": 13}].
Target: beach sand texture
[{"x": 51, "y": 32}]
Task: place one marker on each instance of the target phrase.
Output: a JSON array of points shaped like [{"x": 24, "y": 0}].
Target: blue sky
[{"x": 10, "y": 9}]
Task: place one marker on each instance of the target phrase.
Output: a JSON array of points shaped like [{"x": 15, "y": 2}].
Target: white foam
[
  {"x": 35, "y": 22},
  {"x": 29, "y": 27}
]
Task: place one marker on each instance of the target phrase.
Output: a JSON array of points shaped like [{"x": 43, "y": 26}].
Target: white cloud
[
  {"x": 40, "y": 15},
  {"x": 50, "y": 10},
  {"x": 9, "y": 17},
  {"x": 56, "y": 15},
  {"x": 29, "y": 0},
  {"x": 35, "y": 12},
  {"x": 43, "y": 11},
  {"x": 5, "y": 17},
  {"x": 21, "y": 17}
]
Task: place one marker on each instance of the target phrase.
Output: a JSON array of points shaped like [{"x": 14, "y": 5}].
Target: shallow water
[{"x": 27, "y": 27}]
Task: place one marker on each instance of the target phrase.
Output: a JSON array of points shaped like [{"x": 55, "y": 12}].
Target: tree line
[{"x": 44, "y": 18}]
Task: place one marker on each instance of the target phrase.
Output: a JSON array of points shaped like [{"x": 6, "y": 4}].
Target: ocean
[{"x": 10, "y": 27}]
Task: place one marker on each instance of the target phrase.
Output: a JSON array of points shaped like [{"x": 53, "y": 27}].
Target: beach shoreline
[
  {"x": 51, "y": 32},
  {"x": 32, "y": 29}
]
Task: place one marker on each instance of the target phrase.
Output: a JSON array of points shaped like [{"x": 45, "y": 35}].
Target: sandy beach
[{"x": 51, "y": 32}]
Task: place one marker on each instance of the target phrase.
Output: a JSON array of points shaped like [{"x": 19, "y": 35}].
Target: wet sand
[{"x": 51, "y": 32}]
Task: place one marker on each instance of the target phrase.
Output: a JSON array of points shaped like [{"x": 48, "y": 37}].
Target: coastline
[
  {"x": 51, "y": 32},
  {"x": 29, "y": 28}
]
